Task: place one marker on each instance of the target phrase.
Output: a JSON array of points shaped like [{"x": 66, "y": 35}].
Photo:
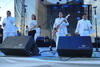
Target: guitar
[{"x": 56, "y": 28}]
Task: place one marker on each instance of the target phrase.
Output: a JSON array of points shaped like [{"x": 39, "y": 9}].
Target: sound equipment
[
  {"x": 45, "y": 42},
  {"x": 96, "y": 43},
  {"x": 1, "y": 38},
  {"x": 75, "y": 46},
  {"x": 40, "y": 41},
  {"x": 19, "y": 46},
  {"x": 1, "y": 34}
]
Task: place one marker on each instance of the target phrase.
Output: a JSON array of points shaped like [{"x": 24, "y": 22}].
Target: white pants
[
  {"x": 85, "y": 33},
  {"x": 8, "y": 34},
  {"x": 57, "y": 39}
]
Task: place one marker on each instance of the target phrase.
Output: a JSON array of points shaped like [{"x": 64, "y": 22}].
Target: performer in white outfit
[
  {"x": 62, "y": 29},
  {"x": 33, "y": 23},
  {"x": 32, "y": 26},
  {"x": 84, "y": 26},
  {"x": 8, "y": 25},
  {"x": 37, "y": 32},
  {"x": 26, "y": 31}
]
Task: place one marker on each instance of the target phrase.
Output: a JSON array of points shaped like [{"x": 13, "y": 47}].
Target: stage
[
  {"x": 49, "y": 59},
  {"x": 48, "y": 62}
]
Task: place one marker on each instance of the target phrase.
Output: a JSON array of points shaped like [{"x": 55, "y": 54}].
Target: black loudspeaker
[
  {"x": 1, "y": 38},
  {"x": 75, "y": 46},
  {"x": 19, "y": 46},
  {"x": 96, "y": 44}
]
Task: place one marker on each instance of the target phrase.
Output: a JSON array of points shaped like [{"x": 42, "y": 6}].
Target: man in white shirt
[
  {"x": 8, "y": 25},
  {"x": 84, "y": 26},
  {"x": 61, "y": 25}
]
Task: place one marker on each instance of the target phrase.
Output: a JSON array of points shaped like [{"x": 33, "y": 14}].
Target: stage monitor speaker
[
  {"x": 19, "y": 46},
  {"x": 75, "y": 46}
]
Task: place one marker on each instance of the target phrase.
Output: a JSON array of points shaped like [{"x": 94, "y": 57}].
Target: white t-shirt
[{"x": 32, "y": 24}]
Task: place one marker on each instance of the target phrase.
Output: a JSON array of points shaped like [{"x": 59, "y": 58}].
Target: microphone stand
[{"x": 96, "y": 40}]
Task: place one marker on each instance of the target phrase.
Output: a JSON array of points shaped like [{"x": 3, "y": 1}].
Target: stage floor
[
  {"x": 49, "y": 59},
  {"x": 48, "y": 62}
]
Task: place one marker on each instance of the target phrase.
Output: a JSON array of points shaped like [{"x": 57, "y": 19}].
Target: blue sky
[{"x": 4, "y": 6}]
